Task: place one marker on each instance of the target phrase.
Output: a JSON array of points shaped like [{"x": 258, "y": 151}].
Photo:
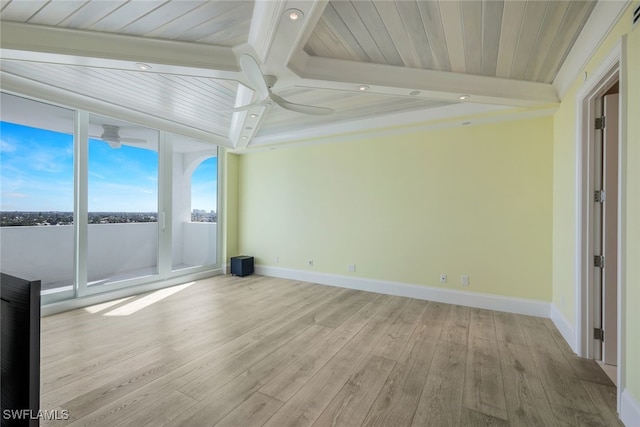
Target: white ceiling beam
[
  {"x": 94, "y": 49},
  {"x": 399, "y": 124},
  {"x": 264, "y": 24},
  {"x": 273, "y": 39},
  {"x": 340, "y": 74}
]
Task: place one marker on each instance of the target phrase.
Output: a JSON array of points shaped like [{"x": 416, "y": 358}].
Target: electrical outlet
[
  {"x": 351, "y": 268},
  {"x": 310, "y": 263},
  {"x": 443, "y": 278},
  {"x": 465, "y": 280}
]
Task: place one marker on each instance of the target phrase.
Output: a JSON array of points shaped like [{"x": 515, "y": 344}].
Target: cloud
[
  {"x": 14, "y": 195},
  {"x": 6, "y": 146}
]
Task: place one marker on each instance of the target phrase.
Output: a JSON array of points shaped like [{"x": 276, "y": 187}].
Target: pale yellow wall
[
  {"x": 471, "y": 200},
  {"x": 564, "y": 196},
  {"x": 632, "y": 299},
  {"x": 230, "y": 206},
  {"x": 564, "y": 179}
]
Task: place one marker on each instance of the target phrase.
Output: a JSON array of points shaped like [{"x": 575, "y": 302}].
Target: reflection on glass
[{"x": 122, "y": 201}]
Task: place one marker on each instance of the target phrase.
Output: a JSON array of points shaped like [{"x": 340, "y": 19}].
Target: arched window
[{"x": 204, "y": 191}]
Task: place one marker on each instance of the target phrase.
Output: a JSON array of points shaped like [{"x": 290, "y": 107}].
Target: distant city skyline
[{"x": 36, "y": 174}]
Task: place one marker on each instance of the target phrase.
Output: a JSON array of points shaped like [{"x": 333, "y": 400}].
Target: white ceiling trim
[
  {"x": 341, "y": 74},
  {"x": 38, "y": 91},
  {"x": 604, "y": 17},
  {"x": 90, "y": 48},
  {"x": 377, "y": 133},
  {"x": 377, "y": 124}
]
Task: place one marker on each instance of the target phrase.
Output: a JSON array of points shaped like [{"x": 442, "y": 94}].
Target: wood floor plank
[
  {"x": 456, "y": 325},
  {"x": 507, "y": 328},
  {"x": 252, "y": 412},
  {"x": 481, "y": 324},
  {"x": 395, "y": 339},
  {"x": 400, "y": 395},
  {"x": 307, "y": 404},
  {"x": 584, "y": 369},
  {"x": 604, "y": 398},
  {"x": 258, "y": 350},
  {"x": 351, "y": 404},
  {"x": 338, "y": 313},
  {"x": 219, "y": 401},
  {"x": 484, "y": 390},
  {"x": 441, "y": 400},
  {"x": 436, "y": 312},
  {"x": 159, "y": 409},
  {"x": 471, "y": 418},
  {"x": 526, "y": 400},
  {"x": 294, "y": 376},
  {"x": 562, "y": 387}
]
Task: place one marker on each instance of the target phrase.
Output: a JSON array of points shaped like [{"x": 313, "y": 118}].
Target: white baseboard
[
  {"x": 467, "y": 298},
  {"x": 629, "y": 410},
  {"x": 565, "y": 328}
]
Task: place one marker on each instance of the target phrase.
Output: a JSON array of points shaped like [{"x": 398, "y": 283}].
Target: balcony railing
[{"x": 115, "y": 251}]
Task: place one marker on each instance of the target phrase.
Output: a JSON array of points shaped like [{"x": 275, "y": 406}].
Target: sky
[{"x": 36, "y": 174}]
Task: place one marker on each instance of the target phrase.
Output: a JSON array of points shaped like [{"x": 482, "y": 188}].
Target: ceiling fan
[
  {"x": 262, "y": 85},
  {"x": 111, "y": 135}
]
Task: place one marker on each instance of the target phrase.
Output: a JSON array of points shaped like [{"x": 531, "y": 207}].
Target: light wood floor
[{"x": 260, "y": 351}]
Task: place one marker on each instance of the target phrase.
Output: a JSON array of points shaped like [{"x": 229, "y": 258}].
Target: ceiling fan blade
[
  {"x": 240, "y": 108},
  {"x": 300, "y": 108},
  {"x": 252, "y": 72}
]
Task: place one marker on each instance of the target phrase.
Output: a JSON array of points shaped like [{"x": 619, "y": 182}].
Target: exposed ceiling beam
[
  {"x": 340, "y": 74},
  {"x": 94, "y": 49},
  {"x": 273, "y": 39},
  {"x": 400, "y": 123}
]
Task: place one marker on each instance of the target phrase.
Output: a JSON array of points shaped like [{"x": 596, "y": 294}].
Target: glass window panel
[
  {"x": 122, "y": 201},
  {"x": 36, "y": 179},
  {"x": 195, "y": 198}
]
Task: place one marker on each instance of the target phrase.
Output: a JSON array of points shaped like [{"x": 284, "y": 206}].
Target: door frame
[{"x": 611, "y": 69}]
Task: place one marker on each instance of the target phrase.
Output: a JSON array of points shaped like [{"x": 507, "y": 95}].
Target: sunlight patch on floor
[
  {"x": 146, "y": 301},
  {"x": 99, "y": 307}
]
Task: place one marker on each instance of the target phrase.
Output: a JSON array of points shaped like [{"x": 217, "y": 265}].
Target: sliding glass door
[
  {"x": 36, "y": 202},
  {"x": 91, "y": 204},
  {"x": 194, "y": 207},
  {"x": 122, "y": 202}
]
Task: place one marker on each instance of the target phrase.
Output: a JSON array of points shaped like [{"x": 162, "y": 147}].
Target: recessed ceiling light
[
  {"x": 245, "y": 137},
  {"x": 294, "y": 14},
  {"x": 414, "y": 92},
  {"x": 463, "y": 97},
  {"x": 362, "y": 88},
  {"x": 253, "y": 116},
  {"x": 142, "y": 66}
]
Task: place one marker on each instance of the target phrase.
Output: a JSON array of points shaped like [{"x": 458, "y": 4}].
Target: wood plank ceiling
[
  {"x": 520, "y": 40},
  {"x": 523, "y": 40}
]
